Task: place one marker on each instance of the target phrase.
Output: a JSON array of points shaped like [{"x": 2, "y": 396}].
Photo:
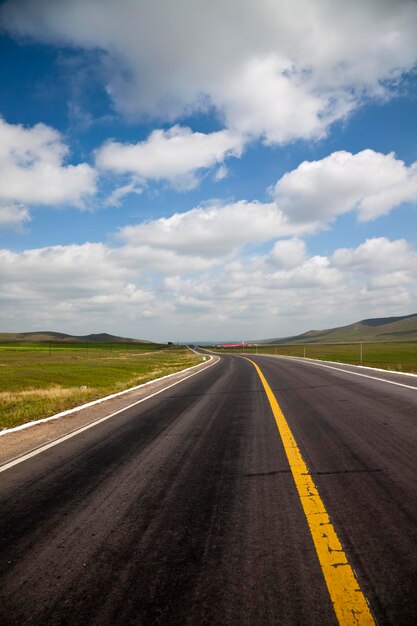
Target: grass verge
[
  {"x": 36, "y": 383},
  {"x": 398, "y": 356}
]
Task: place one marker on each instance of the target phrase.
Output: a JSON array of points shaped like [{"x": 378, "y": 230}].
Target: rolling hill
[
  {"x": 47, "y": 336},
  {"x": 402, "y": 328}
]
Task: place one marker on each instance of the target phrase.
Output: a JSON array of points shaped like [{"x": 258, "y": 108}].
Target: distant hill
[
  {"x": 402, "y": 328},
  {"x": 46, "y": 336}
]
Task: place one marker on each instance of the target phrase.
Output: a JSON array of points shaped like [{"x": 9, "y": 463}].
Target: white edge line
[
  {"x": 51, "y": 444},
  {"x": 364, "y": 367},
  {"x": 306, "y": 358},
  {"x": 339, "y": 369},
  {"x": 6, "y": 431}
]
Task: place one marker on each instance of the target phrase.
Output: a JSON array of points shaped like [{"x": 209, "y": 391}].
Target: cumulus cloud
[
  {"x": 376, "y": 256},
  {"x": 305, "y": 201},
  {"x": 32, "y": 170},
  {"x": 13, "y": 216},
  {"x": 266, "y": 71},
  {"x": 266, "y": 100},
  {"x": 369, "y": 182},
  {"x": 60, "y": 284},
  {"x": 165, "y": 261},
  {"x": 212, "y": 231},
  {"x": 175, "y": 154},
  {"x": 247, "y": 297},
  {"x": 287, "y": 253},
  {"x": 380, "y": 264}
]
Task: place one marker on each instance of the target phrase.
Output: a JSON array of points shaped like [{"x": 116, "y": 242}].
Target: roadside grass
[
  {"x": 395, "y": 356},
  {"x": 36, "y": 383},
  {"x": 54, "y": 347}
]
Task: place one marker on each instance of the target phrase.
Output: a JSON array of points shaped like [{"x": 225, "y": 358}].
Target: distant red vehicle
[{"x": 235, "y": 345}]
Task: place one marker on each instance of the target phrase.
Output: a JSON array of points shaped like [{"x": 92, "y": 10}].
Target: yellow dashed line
[{"x": 347, "y": 598}]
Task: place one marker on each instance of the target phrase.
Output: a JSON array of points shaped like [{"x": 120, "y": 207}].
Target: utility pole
[
  {"x": 304, "y": 352},
  {"x": 361, "y": 352}
]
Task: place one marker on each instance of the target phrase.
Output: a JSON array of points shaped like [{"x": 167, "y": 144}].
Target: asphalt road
[{"x": 183, "y": 509}]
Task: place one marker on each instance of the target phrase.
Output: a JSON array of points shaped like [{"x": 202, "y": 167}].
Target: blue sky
[{"x": 197, "y": 172}]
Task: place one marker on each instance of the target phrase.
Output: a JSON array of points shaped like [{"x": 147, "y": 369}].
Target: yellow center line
[{"x": 348, "y": 601}]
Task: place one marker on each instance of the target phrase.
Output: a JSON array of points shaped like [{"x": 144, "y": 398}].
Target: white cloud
[
  {"x": 32, "y": 169},
  {"x": 63, "y": 285},
  {"x": 164, "y": 261},
  {"x": 221, "y": 173},
  {"x": 54, "y": 267},
  {"x": 305, "y": 200},
  {"x": 265, "y": 100},
  {"x": 175, "y": 154},
  {"x": 119, "y": 289},
  {"x": 13, "y": 216},
  {"x": 287, "y": 253},
  {"x": 380, "y": 264},
  {"x": 376, "y": 256},
  {"x": 311, "y": 273},
  {"x": 116, "y": 196},
  {"x": 262, "y": 67},
  {"x": 212, "y": 231},
  {"x": 369, "y": 182},
  {"x": 245, "y": 299}
]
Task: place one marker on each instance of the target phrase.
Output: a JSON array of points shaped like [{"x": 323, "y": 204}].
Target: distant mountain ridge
[
  {"x": 403, "y": 328},
  {"x": 46, "y": 336}
]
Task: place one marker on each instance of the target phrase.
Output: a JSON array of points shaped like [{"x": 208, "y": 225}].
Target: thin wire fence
[{"x": 397, "y": 356}]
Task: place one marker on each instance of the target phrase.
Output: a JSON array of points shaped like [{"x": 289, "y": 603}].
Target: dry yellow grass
[
  {"x": 34, "y": 385},
  {"x": 55, "y": 391},
  {"x": 22, "y": 406}
]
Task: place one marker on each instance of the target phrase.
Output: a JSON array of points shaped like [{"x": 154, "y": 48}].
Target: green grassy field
[
  {"x": 40, "y": 380},
  {"x": 398, "y": 356}
]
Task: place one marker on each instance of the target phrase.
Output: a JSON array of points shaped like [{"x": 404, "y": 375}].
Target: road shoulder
[{"x": 16, "y": 443}]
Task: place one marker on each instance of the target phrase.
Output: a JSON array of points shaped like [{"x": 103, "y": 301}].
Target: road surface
[{"x": 184, "y": 510}]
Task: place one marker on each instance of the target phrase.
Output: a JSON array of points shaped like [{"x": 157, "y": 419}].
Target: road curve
[{"x": 183, "y": 509}]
